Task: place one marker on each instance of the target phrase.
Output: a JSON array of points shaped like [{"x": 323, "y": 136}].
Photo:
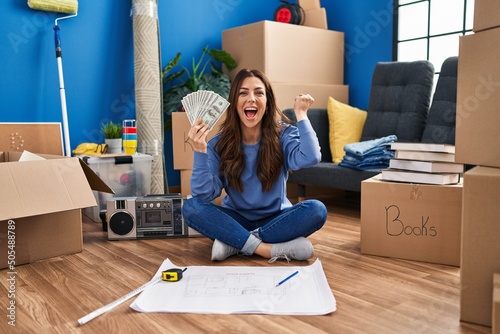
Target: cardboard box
[
  {"x": 486, "y": 14},
  {"x": 496, "y": 305},
  {"x": 411, "y": 221},
  {"x": 127, "y": 175},
  {"x": 478, "y": 97},
  {"x": 272, "y": 47},
  {"x": 186, "y": 186},
  {"x": 34, "y": 137},
  {"x": 309, "y": 4},
  {"x": 316, "y": 18},
  {"x": 480, "y": 243},
  {"x": 285, "y": 93},
  {"x": 183, "y": 151},
  {"x": 41, "y": 203}
]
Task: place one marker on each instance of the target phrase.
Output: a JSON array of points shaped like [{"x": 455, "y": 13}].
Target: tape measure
[
  {"x": 290, "y": 13},
  {"x": 170, "y": 275}
]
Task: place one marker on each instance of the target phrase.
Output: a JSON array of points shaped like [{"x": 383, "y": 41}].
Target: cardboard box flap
[
  {"x": 96, "y": 183},
  {"x": 32, "y": 188}
]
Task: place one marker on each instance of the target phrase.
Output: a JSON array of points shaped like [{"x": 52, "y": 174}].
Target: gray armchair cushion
[
  {"x": 399, "y": 100},
  {"x": 440, "y": 127},
  {"x": 320, "y": 124}
]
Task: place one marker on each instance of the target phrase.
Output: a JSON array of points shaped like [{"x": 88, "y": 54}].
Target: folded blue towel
[
  {"x": 374, "y": 153},
  {"x": 386, "y": 155},
  {"x": 369, "y": 146},
  {"x": 368, "y": 163},
  {"x": 369, "y": 154}
]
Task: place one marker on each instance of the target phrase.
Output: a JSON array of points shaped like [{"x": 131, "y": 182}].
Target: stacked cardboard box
[
  {"x": 477, "y": 142},
  {"x": 315, "y": 15},
  {"x": 316, "y": 68}
]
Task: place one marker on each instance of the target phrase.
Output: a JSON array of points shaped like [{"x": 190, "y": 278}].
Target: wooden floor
[{"x": 374, "y": 294}]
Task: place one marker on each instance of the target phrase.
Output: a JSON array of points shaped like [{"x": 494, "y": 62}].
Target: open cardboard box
[{"x": 41, "y": 206}]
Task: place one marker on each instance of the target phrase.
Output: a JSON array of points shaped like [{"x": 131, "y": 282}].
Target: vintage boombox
[{"x": 151, "y": 216}]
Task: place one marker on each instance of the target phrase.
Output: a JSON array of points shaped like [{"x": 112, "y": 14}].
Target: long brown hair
[{"x": 230, "y": 144}]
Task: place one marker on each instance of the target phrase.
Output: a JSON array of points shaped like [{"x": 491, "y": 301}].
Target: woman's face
[{"x": 252, "y": 102}]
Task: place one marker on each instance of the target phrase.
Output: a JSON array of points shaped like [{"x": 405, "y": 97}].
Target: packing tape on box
[{"x": 148, "y": 90}]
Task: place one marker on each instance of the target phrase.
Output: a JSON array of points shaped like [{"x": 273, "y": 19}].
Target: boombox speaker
[
  {"x": 121, "y": 218},
  {"x": 158, "y": 216}
]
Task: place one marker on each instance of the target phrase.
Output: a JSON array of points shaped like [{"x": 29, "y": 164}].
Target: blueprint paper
[{"x": 230, "y": 290}]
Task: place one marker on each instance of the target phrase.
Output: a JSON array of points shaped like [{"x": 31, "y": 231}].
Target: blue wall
[{"x": 98, "y": 55}]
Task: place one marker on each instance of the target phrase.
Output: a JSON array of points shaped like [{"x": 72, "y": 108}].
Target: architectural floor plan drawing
[
  {"x": 225, "y": 290},
  {"x": 226, "y": 285}
]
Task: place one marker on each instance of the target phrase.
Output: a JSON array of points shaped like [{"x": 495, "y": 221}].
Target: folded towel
[
  {"x": 369, "y": 154},
  {"x": 368, "y": 163},
  {"x": 374, "y": 153},
  {"x": 369, "y": 146}
]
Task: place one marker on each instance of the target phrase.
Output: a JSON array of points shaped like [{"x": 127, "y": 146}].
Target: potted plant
[
  {"x": 178, "y": 84},
  {"x": 112, "y": 136}
]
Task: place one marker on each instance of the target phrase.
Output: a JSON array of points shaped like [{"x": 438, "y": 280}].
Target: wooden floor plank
[{"x": 374, "y": 294}]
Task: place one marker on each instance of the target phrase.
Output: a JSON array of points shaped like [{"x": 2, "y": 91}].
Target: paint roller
[
  {"x": 58, "y": 6},
  {"x": 66, "y": 7}
]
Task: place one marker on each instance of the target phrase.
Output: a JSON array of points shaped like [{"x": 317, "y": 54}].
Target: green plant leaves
[
  {"x": 196, "y": 79},
  {"x": 111, "y": 130}
]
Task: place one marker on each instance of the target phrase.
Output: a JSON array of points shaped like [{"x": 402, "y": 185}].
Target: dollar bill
[{"x": 206, "y": 105}]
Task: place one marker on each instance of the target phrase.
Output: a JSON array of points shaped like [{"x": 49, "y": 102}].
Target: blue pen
[{"x": 286, "y": 279}]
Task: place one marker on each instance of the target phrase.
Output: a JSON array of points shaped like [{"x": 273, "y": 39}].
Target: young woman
[{"x": 250, "y": 159}]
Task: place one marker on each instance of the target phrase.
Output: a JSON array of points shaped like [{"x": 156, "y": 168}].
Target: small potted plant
[{"x": 112, "y": 136}]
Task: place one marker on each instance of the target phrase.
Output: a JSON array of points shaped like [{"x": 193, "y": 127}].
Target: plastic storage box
[{"x": 127, "y": 175}]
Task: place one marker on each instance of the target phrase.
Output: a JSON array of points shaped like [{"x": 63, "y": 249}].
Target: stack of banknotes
[{"x": 206, "y": 105}]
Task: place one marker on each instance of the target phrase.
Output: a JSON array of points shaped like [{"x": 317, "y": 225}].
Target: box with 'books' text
[{"x": 411, "y": 221}]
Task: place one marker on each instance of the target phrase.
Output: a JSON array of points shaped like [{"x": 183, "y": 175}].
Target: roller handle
[{"x": 57, "y": 40}]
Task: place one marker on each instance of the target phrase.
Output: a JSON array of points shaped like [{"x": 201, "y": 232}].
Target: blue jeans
[{"x": 226, "y": 225}]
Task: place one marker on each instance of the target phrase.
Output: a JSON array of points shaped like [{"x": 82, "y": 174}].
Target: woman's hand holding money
[{"x": 198, "y": 136}]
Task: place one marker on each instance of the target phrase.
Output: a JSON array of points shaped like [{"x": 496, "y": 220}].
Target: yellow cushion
[{"x": 346, "y": 126}]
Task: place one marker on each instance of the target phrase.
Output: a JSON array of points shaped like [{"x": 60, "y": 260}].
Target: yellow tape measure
[{"x": 172, "y": 275}]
